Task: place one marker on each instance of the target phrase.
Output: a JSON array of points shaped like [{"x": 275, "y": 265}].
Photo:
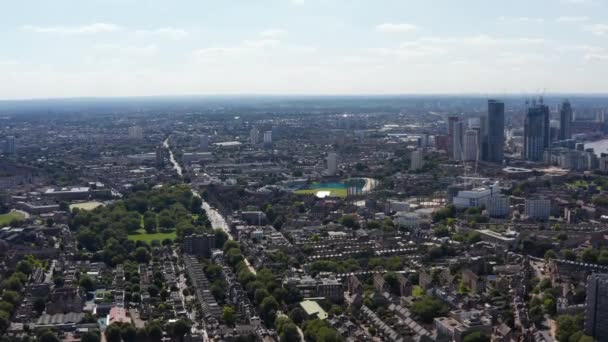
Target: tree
[
  {"x": 228, "y": 315},
  {"x": 86, "y": 282},
  {"x": 39, "y": 305},
  {"x": 48, "y": 336},
  {"x": 289, "y": 333},
  {"x": 113, "y": 333},
  {"x": 268, "y": 309},
  {"x": 589, "y": 256},
  {"x": 567, "y": 325},
  {"x": 11, "y": 297},
  {"x": 180, "y": 329},
  {"x": 568, "y": 254},
  {"x": 155, "y": 332},
  {"x": 550, "y": 254},
  {"x": 427, "y": 308},
  {"x": 142, "y": 255},
  {"x": 297, "y": 315},
  {"x": 90, "y": 336},
  {"x": 150, "y": 222},
  {"x": 476, "y": 336},
  {"x": 349, "y": 221},
  {"x": 220, "y": 238},
  {"x": 153, "y": 290},
  {"x": 128, "y": 333}
]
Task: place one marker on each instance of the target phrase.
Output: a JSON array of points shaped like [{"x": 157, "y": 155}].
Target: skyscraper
[
  {"x": 471, "y": 145},
  {"x": 332, "y": 163},
  {"x": 565, "y": 121},
  {"x": 416, "y": 160},
  {"x": 457, "y": 140},
  {"x": 536, "y": 132},
  {"x": 596, "y": 309},
  {"x": 494, "y": 131},
  {"x": 10, "y": 148},
  {"x": 268, "y": 138},
  {"x": 452, "y": 121},
  {"x": 254, "y": 136},
  {"x": 204, "y": 143}
]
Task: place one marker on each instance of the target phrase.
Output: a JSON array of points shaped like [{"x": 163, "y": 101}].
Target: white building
[
  {"x": 332, "y": 163},
  {"x": 477, "y": 197},
  {"x": 471, "y": 143},
  {"x": 254, "y": 136},
  {"x": 268, "y": 138},
  {"x": 416, "y": 160},
  {"x": 498, "y": 206},
  {"x": 204, "y": 143},
  {"x": 538, "y": 208}
]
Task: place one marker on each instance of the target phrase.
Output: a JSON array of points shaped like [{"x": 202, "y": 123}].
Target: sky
[{"x": 75, "y": 48}]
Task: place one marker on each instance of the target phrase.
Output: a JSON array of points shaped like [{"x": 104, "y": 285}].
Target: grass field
[
  {"x": 334, "y": 192},
  {"x": 5, "y": 219},
  {"x": 85, "y": 206},
  {"x": 141, "y": 235}
]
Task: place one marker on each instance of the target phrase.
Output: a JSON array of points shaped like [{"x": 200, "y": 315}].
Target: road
[
  {"x": 217, "y": 220},
  {"x": 176, "y": 166}
]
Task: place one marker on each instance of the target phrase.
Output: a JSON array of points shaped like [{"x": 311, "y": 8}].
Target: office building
[
  {"x": 494, "y": 130},
  {"x": 498, "y": 206},
  {"x": 416, "y": 160},
  {"x": 204, "y": 143},
  {"x": 452, "y": 122},
  {"x": 254, "y": 136},
  {"x": 538, "y": 208},
  {"x": 596, "y": 308},
  {"x": 10, "y": 148},
  {"x": 457, "y": 140},
  {"x": 332, "y": 163},
  {"x": 199, "y": 245},
  {"x": 268, "y": 138},
  {"x": 536, "y": 132},
  {"x": 471, "y": 145},
  {"x": 565, "y": 121}
]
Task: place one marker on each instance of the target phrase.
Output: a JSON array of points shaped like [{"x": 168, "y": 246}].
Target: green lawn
[
  {"x": 141, "y": 235},
  {"x": 5, "y": 219},
  {"x": 85, "y": 206},
  {"x": 335, "y": 192}
]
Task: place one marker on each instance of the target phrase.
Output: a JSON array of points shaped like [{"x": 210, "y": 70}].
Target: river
[{"x": 599, "y": 146}]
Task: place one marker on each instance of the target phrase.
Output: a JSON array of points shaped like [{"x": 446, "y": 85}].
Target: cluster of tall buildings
[{"x": 485, "y": 142}]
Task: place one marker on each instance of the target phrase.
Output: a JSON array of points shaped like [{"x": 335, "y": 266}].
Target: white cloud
[
  {"x": 85, "y": 29},
  {"x": 261, "y": 43},
  {"x": 578, "y": 2},
  {"x": 575, "y": 19},
  {"x": 273, "y": 33},
  {"x": 126, "y": 50},
  {"x": 483, "y": 40},
  {"x": 409, "y": 50},
  {"x": 169, "y": 32},
  {"x": 597, "y": 29},
  {"x": 523, "y": 19},
  {"x": 596, "y": 57},
  {"x": 395, "y": 28}
]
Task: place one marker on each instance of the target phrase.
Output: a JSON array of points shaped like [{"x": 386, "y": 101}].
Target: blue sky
[{"x": 69, "y": 48}]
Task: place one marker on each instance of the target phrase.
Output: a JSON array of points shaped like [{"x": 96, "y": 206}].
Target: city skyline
[{"x": 128, "y": 48}]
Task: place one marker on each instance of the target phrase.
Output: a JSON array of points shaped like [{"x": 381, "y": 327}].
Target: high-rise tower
[
  {"x": 565, "y": 121},
  {"x": 536, "y": 132},
  {"x": 494, "y": 130}
]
